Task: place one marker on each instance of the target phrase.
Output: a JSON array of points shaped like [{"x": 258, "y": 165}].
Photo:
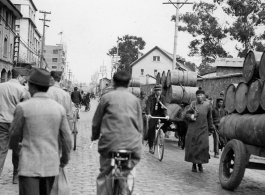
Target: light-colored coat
[{"x": 40, "y": 122}]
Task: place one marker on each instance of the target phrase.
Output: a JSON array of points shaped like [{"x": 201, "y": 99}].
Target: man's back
[
  {"x": 11, "y": 93},
  {"x": 76, "y": 97},
  {"x": 121, "y": 124},
  {"x": 44, "y": 119}
]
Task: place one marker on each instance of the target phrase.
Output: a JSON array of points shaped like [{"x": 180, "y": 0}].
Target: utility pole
[
  {"x": 176, "y": 29},
  {"x": 69, "y": 74},
  {"x": 43, "y": 36}
]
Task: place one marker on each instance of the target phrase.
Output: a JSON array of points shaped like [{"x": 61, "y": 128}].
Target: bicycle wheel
[
  {"x": 160, "y": 144},
  {"x": 74, "y": 133},
  {"x": 116, "y": 188}
]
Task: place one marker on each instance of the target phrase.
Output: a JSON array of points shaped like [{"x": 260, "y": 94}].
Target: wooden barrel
[
  {"x": 135, "y": 91},
  {"x": 158, "y": 78},
  {"x": 253, "y": 96},
  {"x": 177, "y": 94},
  {"x": 262, "y": 98},
  {"x": 262, "y": 67},
  {"x": 251, "y": 66},
  {"x": 184, "y": 78},
  {"x": 164, "y": 91},
  {"x": 241, "y": 98},
  {"x": 172, "y": 110},
  {"x": 135, "y": 82},
  {"x": 228, "y": 125},
  {"x": 250, "y": 129},
  {"x": 230, "y": 98},
  {"x": 163, "y": 79}
]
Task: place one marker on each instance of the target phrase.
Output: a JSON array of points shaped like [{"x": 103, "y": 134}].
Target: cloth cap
[
  {"x": 158, "y": 87},
  {"x": 39, "y": 76},
  {"x": 19, "y": 71},
  {"x": 56, "y": 74}
]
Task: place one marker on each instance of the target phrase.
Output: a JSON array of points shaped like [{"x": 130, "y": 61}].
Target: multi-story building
[
  {"x": 30, "y": 38},
  {"x": 8, "y": 14}
]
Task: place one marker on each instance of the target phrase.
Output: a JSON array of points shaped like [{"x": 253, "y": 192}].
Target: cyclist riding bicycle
[
  {"x": 118, "y": 125},
  {"x": 76, "y": 98},
  {"x": 155, "y": 106}
]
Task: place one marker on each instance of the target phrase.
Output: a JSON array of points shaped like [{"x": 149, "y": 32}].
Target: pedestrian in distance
[
  {"x": 87, "y": 102},
  {"x": 155, "y": 106},
  {"x": 218, "y": 112},
  {"x": 200, "y": 122},
  {"x": 11, "y": 93},
  {"x": 77, "y": 99},
  {"x": 118, "y": 125},
  {"x": 40, "y": 123}
]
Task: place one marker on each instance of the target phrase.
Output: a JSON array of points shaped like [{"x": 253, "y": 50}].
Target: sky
[{"x": 91, "y": 27}]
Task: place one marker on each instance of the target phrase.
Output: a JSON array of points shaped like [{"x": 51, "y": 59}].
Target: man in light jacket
[{"x": 40, "y": 123}]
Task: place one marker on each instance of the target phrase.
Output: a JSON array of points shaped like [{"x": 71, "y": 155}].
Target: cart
[{"x": 235, "y": 159}]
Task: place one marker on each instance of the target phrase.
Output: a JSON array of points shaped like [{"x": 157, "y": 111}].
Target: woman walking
[{"x": 199, "y": 118}]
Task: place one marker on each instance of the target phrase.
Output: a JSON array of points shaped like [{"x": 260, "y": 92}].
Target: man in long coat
[{"x": 199, "y": 118}]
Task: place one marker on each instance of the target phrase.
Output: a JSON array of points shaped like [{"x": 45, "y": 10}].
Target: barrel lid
[
  {"x": 262, "y": 67},
  {"x": 251, "y": 65},
  {"x": 230, "y": 98},
  {"x": 253, "y": 96}
]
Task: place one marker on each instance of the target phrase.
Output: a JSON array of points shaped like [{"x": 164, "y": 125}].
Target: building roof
[
  {"x": 167, "y": 54},
  {"x": 37, "y": 32},
  {"x": 33, "y": 5},
  {"x": 12, "y": 7},
  {"x": 229, "y": 62}
]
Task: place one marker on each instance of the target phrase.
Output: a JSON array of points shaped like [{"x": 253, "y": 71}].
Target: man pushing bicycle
[
  {"x": 118, "y": 125},
  {"x": 155, "y": 107}
]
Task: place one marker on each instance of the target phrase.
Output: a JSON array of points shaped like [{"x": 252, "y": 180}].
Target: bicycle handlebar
[{"x": 157, "y": 117}]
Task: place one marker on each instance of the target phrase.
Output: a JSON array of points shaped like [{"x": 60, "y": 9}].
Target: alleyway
[{"x": 170, "y": 177}]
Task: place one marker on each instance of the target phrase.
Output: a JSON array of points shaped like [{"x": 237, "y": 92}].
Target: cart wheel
[
  {"x": 160, "y": 144},
  {"x": 232, "y": 164},
  {"x": 145, "y": 127}
]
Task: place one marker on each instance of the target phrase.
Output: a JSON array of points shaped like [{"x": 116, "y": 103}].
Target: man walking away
[
  {"x": 11, "y": 93},
  {"x": 59, "y": 95},
  {"x": 76, "y": 98},
  {"x": 87, "y": 101},
  {"x": 218, "y": 112},
  {"x": 40, "y": 123},
  {"x": 118, "y": 125}
]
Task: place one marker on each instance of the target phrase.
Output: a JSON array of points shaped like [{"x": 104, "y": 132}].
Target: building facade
[
  {"x": 29, "y": 36},
  {"x": 8, "y": 15},
  {"x": 55, "y": 56},
  {"x": 154, "y": 61}
]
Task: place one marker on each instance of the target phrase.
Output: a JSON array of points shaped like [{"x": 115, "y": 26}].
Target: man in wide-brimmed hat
[
  {"x": 61, "y": 96},
  {"x": 155, "y": 106},
  {"x": 11, "y": 93},
  {"x": 40, "y": 123}
]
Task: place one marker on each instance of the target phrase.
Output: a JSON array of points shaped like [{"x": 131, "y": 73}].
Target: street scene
[
  {"x": 132, "y": 97},
  {"x": 169, "y": 177}
]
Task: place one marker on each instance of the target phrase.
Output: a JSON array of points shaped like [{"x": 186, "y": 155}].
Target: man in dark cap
[
  {"x": 11, "y": 93},
  {"x": 40, "y": 123},
  {"x": 155, "y": 106},
  {"x": 199, "y": 120},
  {"x": 59, "y": 95},
  {"x": 218, "y": 112}
]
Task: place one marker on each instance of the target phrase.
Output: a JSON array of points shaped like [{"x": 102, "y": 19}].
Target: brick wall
[
  {"x": 213, "y": 86},
  {"x": 221, "y": 71}
]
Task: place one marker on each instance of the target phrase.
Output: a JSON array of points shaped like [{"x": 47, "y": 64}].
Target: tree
[
  {"x": 129, "y": 47},
  {"x": 205, "y": 68},
  {"x": 191, "y": 65},
  {"x": 206, "y": 30},
  {"x": 248, "y": 16}
]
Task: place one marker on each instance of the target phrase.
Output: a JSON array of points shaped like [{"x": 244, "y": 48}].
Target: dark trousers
[
  {"x": 35, "y": 185},
  {"x": 87, "y": 105},
  {"x": 4, "y": 141},
  {"x": 215, "y": 142},
  {"x": 151, "y": 131}
]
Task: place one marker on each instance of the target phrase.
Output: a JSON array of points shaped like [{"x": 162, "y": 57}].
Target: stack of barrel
[
  {"x": 178, "y": 87},
  {"x": 134, "y": 87},
  {"x": 245, "y": 103}
]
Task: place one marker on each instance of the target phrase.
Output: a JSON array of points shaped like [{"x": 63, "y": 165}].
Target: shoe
[
  {"x": 151, "y": 150},
  {"x": 216, "y": 155},
  {"x": 194, "y": 168},
  {"x": 15, "y": 179},
  {"x": 78, "y": 117},
  {"x": 200, "y": 167}
]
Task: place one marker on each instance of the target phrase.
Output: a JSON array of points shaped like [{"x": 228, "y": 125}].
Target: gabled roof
[
  {"x": 229, "y": 62},
  {"x": 167, "y": 54}
]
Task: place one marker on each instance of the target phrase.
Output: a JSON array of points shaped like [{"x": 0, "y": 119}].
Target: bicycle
[
  {"x": 159, "y": 138},
  {"x": 119, "y": 184},
  {"x": 75, "y": 113}
]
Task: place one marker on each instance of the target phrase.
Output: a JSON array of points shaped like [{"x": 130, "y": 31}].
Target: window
[
  {"x": 55, "y": 51},
  {"x": 18, "y": 7},
  {"x": 155, "y": 72},
  {"x": 142, "y": 71},
  {"x": 156, "y": 58},
  {"x": 54, "y": 67},
  {"x": 54, "y": 59},
  {"x": 7, "y": 17},
  {"x": 5, "y": 47},
  {"x": 17, "y": 27}
]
